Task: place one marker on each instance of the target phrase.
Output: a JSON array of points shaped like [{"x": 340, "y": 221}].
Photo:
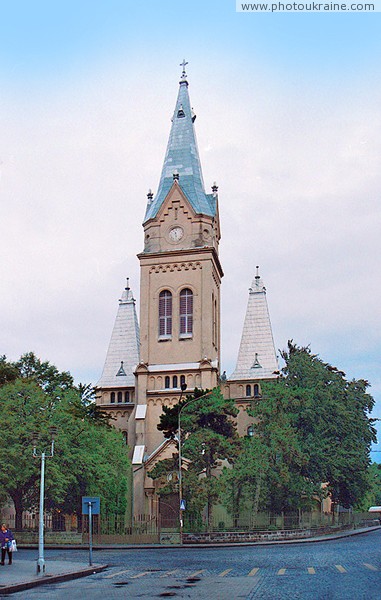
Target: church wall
[{"x": 174, "y": 273}]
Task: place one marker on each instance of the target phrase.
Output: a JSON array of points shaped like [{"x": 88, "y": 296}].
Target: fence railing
[{"x": 121, "y": 526}]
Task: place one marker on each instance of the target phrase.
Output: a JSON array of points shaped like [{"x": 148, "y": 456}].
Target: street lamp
[
  {"x": 43, "y": 454},
  {"x": 180, "y": 457}
]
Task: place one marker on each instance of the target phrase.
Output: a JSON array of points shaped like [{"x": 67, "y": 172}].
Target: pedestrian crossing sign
[{"x": 182, "y": 505}]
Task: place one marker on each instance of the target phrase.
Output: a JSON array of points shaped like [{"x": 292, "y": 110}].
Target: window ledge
[
  {"x": 185, "y": 336},
  {"x": 164, "y": 338}
]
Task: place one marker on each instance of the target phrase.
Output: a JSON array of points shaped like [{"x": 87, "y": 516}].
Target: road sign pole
[
  {"x": 90, "y": 536},
  {"x": 91, "y": 506}
]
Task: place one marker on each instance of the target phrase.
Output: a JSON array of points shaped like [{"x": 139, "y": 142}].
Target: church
[{"x": 176, "y": 342}]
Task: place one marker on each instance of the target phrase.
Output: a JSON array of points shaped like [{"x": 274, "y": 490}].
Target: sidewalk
[{"x": 22, "y": 575}]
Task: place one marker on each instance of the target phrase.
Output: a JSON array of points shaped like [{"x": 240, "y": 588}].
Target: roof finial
[
  {"x": 256, "y": 364},
  {"x": 183, "y": 65},
  {"x": 257, "y": 275},
  {"x": 121, "y": 371},
  {"x": 128, "y": 283},
  {"x": 150, "y": 195}
]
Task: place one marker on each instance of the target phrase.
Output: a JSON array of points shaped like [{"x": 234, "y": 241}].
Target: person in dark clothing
[{"x": 6, "y": 538}]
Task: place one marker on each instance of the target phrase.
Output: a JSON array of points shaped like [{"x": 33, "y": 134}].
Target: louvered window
[
  {"x": 165, "y": 314},
  {"x": 186, "y": 312}
]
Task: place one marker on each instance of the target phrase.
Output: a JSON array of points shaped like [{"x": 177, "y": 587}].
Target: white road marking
[
  {"x": 197, "y": 573},
  {"x": 116, "y": 574},
  {"x": 225, "y": 572},
  {"x": 371, "y": 567},
  {"x": 340, "y": 568},
  {"x": 140, "y": 575}
]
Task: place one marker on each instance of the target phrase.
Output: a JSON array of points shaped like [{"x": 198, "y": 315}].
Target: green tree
[
  {"x": 373, "y": 495},
  {"x": 315, "y": 428},
  {"x": 46, "y": 375},
  {"x": 90, "y": 456},
  {"x": 209, "y": 437},
  {"x": 8, "y": 372}
]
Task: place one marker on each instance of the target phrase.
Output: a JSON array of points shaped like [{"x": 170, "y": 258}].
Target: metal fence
[
  {"x": 122, "y": 528},
  {"x": 221, "y": 520}
]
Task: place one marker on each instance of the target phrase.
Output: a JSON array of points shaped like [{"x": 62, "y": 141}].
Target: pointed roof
[
  {"x": 182, "y": 161},
  {"x": 123, "y": 351},
  {"x": 257, "y": 356}
]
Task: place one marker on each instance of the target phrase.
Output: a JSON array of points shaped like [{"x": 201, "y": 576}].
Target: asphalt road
[{"x": 346, "y": 569}]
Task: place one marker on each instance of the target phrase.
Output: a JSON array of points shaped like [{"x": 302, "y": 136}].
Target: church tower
[
  {"x": 179, "y": 285},
  {"x": 180, "y": 268}
]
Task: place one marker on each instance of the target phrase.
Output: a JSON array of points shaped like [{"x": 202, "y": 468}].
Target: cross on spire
[{"x": 183, "y": 65}]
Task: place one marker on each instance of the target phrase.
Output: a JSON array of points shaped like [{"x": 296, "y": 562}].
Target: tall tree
[
  {"x": 316, "y": 428},
  {"x": 209, "y": 437},
  {"x": 373, "y": 495},
  {"x": 90, "y": 456}
]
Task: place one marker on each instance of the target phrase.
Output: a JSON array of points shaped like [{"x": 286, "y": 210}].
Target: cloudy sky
[{"x": 288, "y": 124}]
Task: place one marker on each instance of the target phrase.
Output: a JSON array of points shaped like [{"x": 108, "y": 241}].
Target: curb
[
  {"x": 46, "y": 579},
  {"x": 321, "y": 538}
]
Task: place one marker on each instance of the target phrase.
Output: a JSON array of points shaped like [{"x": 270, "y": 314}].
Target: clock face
[{"x": 176, "y": 234}]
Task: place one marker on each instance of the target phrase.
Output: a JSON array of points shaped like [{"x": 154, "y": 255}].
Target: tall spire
[
  {"x": 256, "y": 357},
  {"x": 123, "y": 351},
  {"x": 182, "y": 162}
]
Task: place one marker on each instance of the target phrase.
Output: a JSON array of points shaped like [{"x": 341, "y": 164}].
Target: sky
[{"x": 288, "y": 125}]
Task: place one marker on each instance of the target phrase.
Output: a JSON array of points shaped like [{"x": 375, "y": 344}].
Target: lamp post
[
  {"x": 180, "y": 457},
  {"x": 43, "y": 454}
]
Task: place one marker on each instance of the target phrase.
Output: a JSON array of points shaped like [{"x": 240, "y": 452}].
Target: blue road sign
[
  {"x": 182, "y": 505},
  {"x": 95, "y": 505}
]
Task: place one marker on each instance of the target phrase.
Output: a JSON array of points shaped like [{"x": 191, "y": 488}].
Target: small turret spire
[
  {"x": 256, "y": 357},
  {"x": 123, "y": 351}
]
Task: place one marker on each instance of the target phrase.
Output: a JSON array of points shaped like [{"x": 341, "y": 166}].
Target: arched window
[
  {"x": 174, "y": 381},
  {"x": 127, "y": 396},
  {"x": 120, "y": 397},
  {"x": 125, "y": 436},
  {"x": 256, "y": 390},
  {"x": 182, "y": 380},
  {"x": 186, "y": 312},
  {"x": 165, "y": 314},
  {"x": 112, "y": 397},
  {"x": 167, "y": 382},
  {"x": 248, "y": 390}
]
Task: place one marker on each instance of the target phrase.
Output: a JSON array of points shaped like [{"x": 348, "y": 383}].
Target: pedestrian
[{"x": 6, "y": 537}]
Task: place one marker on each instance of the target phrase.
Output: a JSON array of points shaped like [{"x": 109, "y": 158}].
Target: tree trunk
[
  {"x": 209, "y": 505},
  {"x": 236, "y": 505},
  {"x": 333, "y": 506},
  {"x": 18, "y": 502},
  {"x": 256, "y": 499}
]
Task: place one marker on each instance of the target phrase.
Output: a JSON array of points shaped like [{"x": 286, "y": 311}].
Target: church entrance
[{"x": 169, "y": 511}]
